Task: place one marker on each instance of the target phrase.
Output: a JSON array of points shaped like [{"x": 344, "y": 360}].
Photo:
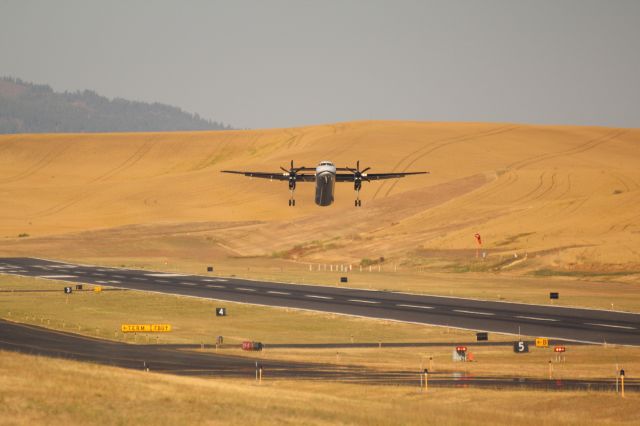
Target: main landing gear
[
  {"x": 357, "y": 185},
  {"x": 292, "y": 188}
]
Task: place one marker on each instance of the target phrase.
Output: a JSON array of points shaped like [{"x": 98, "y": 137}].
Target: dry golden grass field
[
  {"x": 557, "y": 208},
  {"x": 36, "y": 390},
  {"x": 564, "y": 199}
]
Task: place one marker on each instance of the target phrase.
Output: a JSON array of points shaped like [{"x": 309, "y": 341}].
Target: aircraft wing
[
  {"x": 300, "y": 177},
  {"x": 349, "y": 177}
]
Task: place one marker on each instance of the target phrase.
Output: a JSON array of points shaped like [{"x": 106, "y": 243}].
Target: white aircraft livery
[{"x": 325, "y": 175}]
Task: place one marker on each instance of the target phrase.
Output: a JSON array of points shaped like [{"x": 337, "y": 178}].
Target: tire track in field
[
  {"x": 590, "y": 144},
  {"x": 420, "y": 153},
  {"x": 128, "y": 163},
  {"x": 520, "y": 164},
  {"x": 44, "y": 161}
]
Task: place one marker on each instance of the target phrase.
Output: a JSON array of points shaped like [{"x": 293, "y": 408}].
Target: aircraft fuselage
[{"x": 325, "y": 183}]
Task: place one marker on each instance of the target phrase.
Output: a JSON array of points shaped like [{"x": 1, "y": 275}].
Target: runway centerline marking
[
  {"x": 317, "y": 297},
  {"x": 98, "y": 274},
  {"x": 165, "y": 275},
  {"x": 119, "y": 276},
  {"x": 162, "y": 281},
  {"x": 414, "y": 306},
  {"x": 277, "y": 292},
  {"x": 535, "y": 318},
  {"x": 611, "y": 325},
  {"x": 245, "y": 289},
  {"x": 373, "y": 302},
  {"x": 214, "y": 286},
  {"x": 139, "y": 279},
  {"x": 187, "y": 283},
  {"x": 462, "y": 311},
  {"x": 57, "y": 276}
]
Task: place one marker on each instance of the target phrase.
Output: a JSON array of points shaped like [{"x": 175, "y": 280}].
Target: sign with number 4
[{"x": 221, "y": 312}]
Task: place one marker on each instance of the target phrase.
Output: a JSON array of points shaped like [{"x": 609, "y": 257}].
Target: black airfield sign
[{"x": 221, "y": 312}]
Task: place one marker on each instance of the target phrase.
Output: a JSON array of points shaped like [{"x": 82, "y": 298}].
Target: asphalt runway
[
  {"x": 581, "y": 325},
  {"x": 187, "y": 360}
]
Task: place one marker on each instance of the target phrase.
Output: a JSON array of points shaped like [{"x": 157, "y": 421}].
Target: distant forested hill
[{"x": 34, "y": 108}]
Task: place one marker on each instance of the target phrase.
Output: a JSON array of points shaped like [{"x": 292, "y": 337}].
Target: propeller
[
  {"x": 292, "y": 172},
  {"x": 358, "y": 175}
]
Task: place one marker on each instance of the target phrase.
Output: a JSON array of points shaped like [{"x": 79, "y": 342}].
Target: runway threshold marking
[
  {"x": 414, "y": 306},
  {"x": 373, "y": 302},
  {"x": 611, "y": 325},
  {"x": 535, "y": 318},
  {"x": 317, "y": 297},
  {"x": 462, "y": 311},
  {"x": 277, "y": 292}
]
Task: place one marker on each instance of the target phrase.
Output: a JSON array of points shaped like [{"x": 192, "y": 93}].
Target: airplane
[{"x": 325, "y": 175}]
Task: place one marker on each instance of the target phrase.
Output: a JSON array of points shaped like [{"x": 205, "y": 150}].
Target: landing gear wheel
[
  {"x": 293, "y": 203},
  {"x": 289, "y": 203}
]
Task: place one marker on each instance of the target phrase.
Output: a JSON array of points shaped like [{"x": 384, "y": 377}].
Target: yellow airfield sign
[
  {"x": 97, "y": 289},
  {"x": 145, "y": 328},
  {"x": 542, "y": 342}
]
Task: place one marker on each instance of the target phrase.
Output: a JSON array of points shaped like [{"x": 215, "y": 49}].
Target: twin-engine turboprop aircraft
[{"x": 325, "y": 175}]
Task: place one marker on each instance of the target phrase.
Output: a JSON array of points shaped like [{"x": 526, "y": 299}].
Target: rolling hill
[{"x": 542, "y": 197}]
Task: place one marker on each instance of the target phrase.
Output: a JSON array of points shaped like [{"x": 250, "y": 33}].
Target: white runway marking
[
  {"x": 187, "y": 283},
  {"x": 214, "y": 286},
  {"x": 318, "y": 297},
  {"x": 98, "y": 274},
  {"x": 165, "y": 275},
  {"x": 101, "y": 282},
  {"x": 536, "y": 318},
  {"x": 373, "y": 302},
  {"x": 611, "y": 325},
  {"x": 114, "y": 282},
  {"x": 139, "y": 279},
  {"x": 57, "y": 276},
  {"x": 245, "y": 289},
  {"x": 415, "y": 306},
  {"x": 162, "y": 281},
  {"x": 462, "y": 311},
  {"x": 277, "y": 292},
  {"x": 119, "y": 276}
]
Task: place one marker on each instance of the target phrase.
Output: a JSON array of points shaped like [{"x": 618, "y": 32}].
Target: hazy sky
[{"x": 288, "y": 63}]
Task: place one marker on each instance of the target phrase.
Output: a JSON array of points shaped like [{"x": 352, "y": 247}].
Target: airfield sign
[
  {"x": 145, "y": 328},
  {"x": 521, "y": 347},
  {"x": 221, "y": 312},
  {"x": 542, "y": 342}
]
